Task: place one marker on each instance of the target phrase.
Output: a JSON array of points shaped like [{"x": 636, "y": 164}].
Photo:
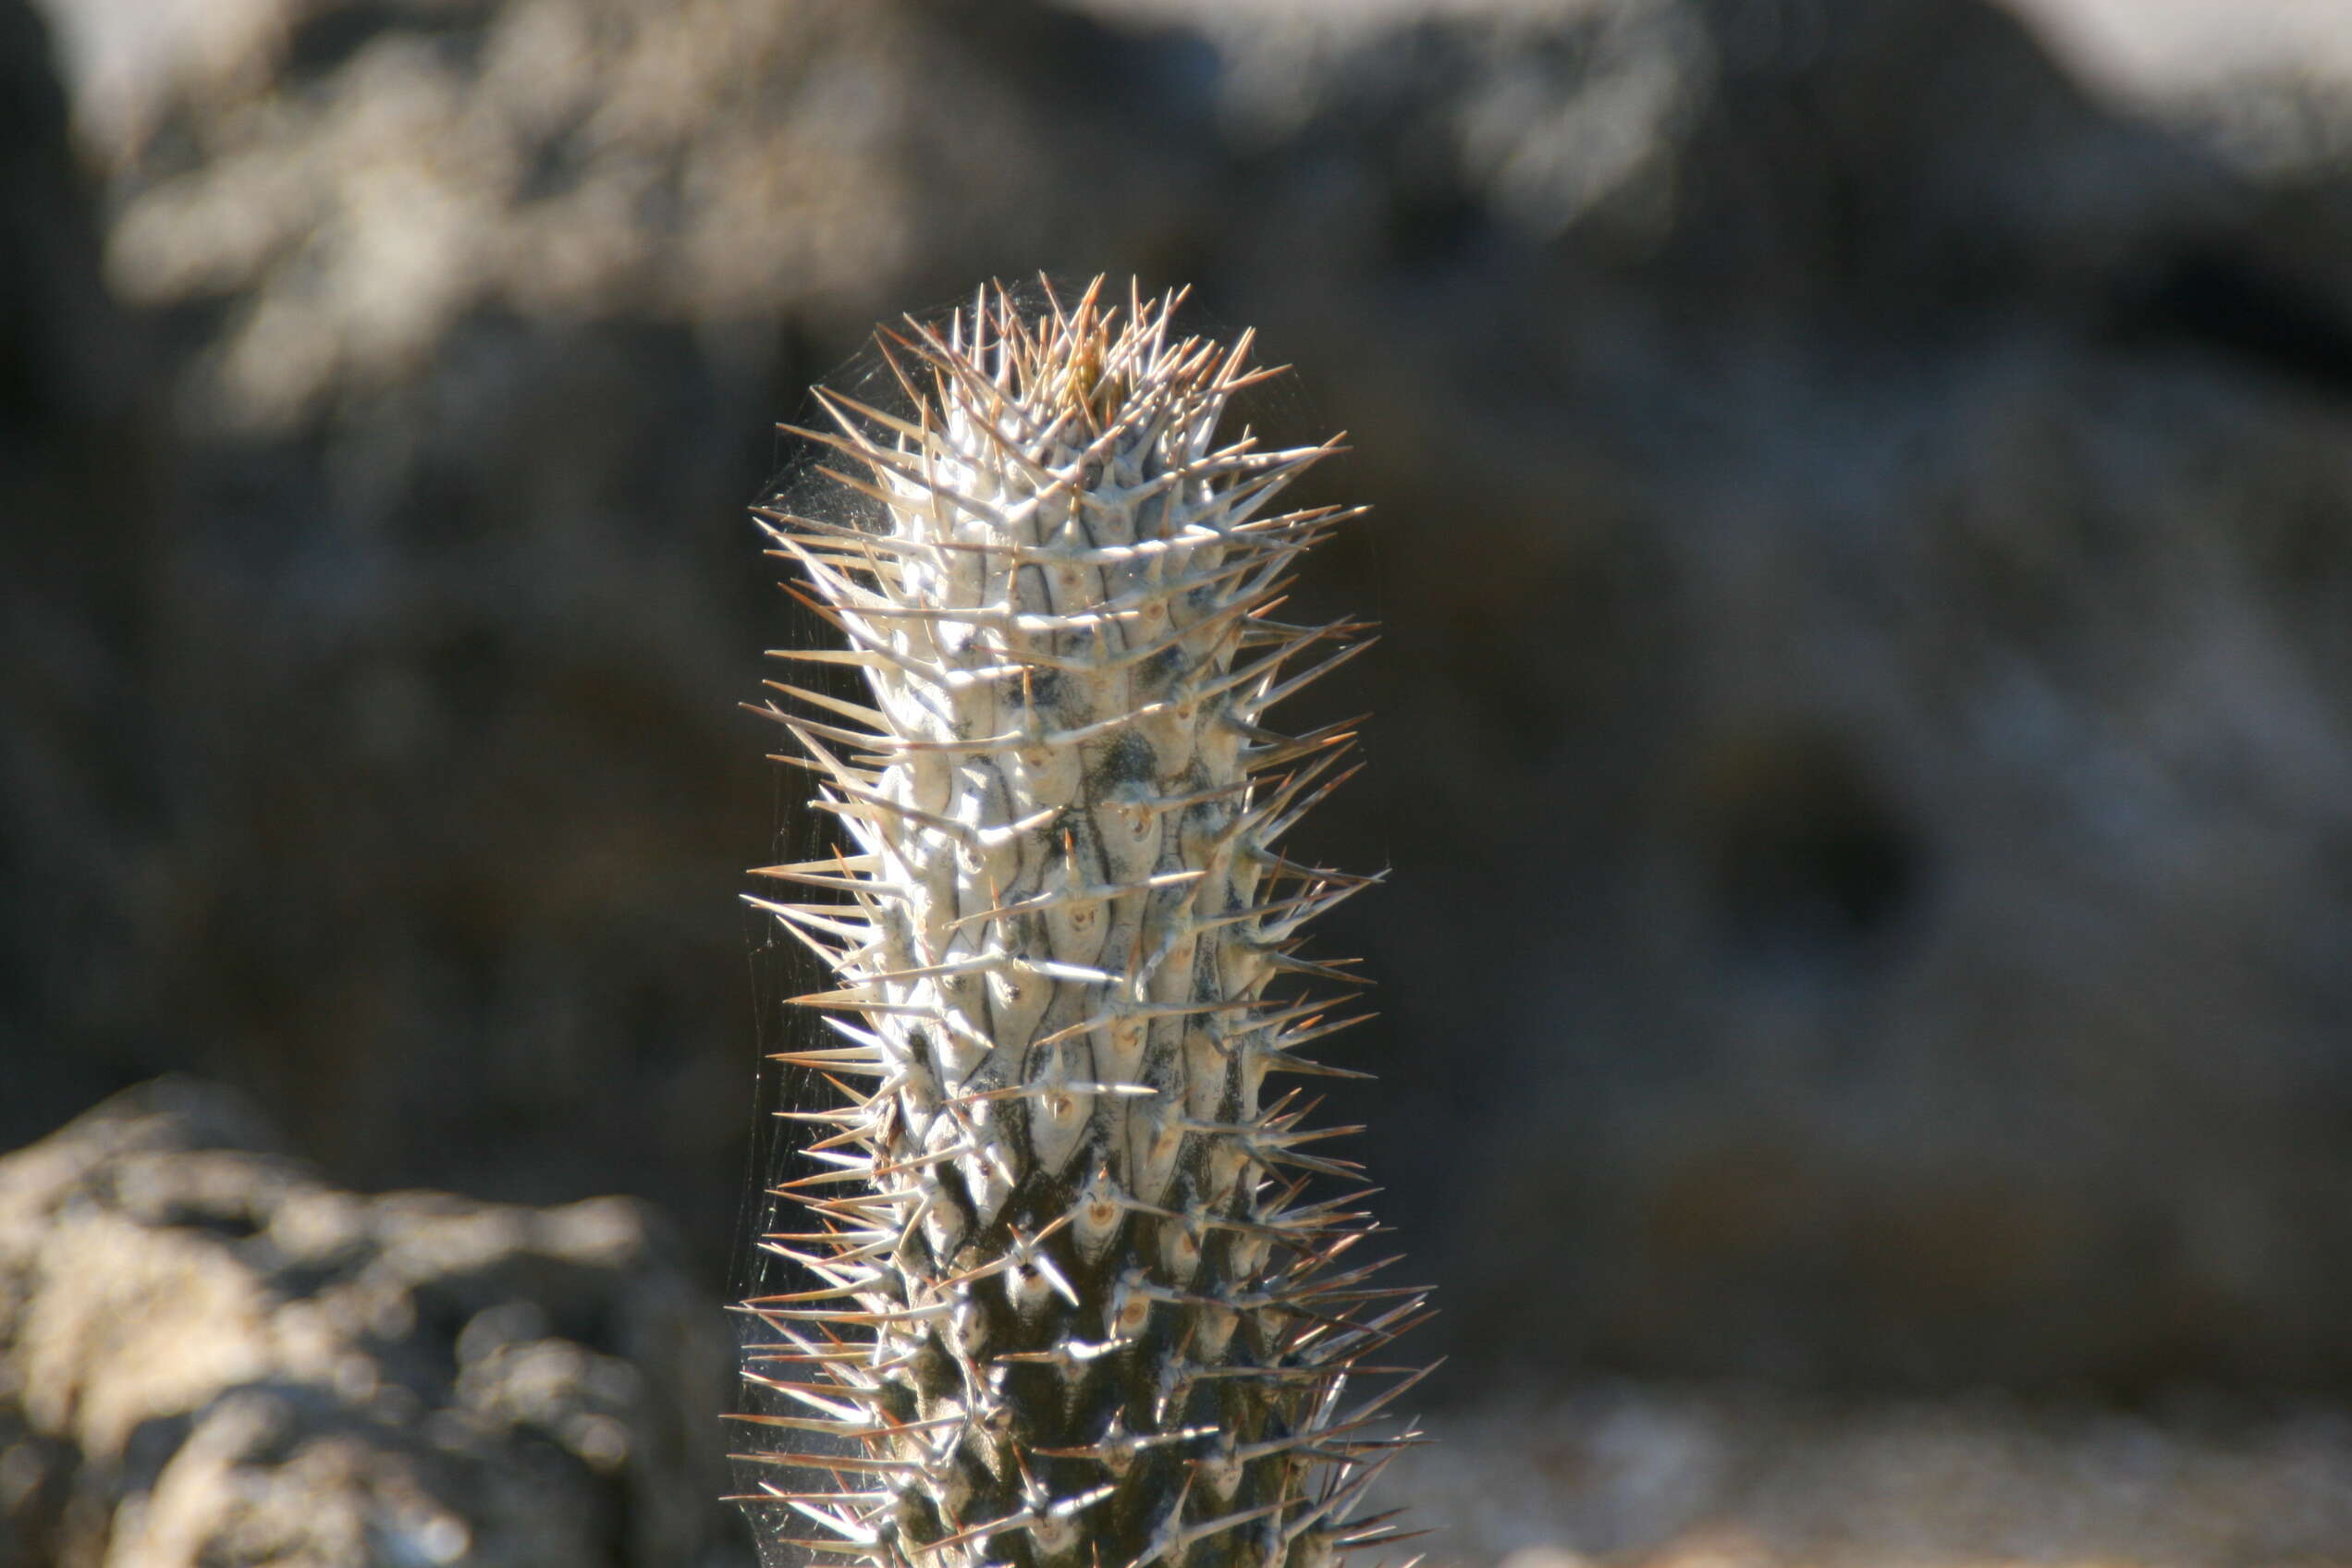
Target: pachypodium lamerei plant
[{"x": 1077, "y": 1296}]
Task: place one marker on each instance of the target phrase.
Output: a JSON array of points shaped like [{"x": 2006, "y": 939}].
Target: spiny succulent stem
[{"x": 1063, "y": 1303}]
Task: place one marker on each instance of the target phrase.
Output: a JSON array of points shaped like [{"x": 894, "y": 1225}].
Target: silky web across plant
[{"x": 1077, "y": 1289}]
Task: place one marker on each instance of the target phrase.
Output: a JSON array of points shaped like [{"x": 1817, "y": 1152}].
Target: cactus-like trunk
[{"x": 1077, "y": 1297}]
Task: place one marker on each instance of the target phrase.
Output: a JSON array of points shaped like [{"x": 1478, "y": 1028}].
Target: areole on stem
[{"x": 1076, "y": 1294}]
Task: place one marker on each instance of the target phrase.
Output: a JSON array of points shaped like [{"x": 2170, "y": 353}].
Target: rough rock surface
[
  {"x": 1865, "y": 532},
  {"x": 209, "y": 1355}
]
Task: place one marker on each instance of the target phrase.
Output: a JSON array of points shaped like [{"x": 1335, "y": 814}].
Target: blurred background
[{"x": 1863, "y": 738}]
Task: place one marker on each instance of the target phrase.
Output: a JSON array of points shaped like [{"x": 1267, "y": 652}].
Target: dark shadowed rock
[
  {"x": 83, "y": 795},
  {"x": 209, "y": 1355}
]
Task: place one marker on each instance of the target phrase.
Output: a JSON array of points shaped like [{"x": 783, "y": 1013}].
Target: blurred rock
[
  {"x": 209, "y": 1355},
  {"x": 1653, "y": 1477},
  {"x": 1867, "y": 601},
  {"x": 476, "y": 319},
  {"x": 2159, "y": 52},
  {"x": 1864, "y": 738}
]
